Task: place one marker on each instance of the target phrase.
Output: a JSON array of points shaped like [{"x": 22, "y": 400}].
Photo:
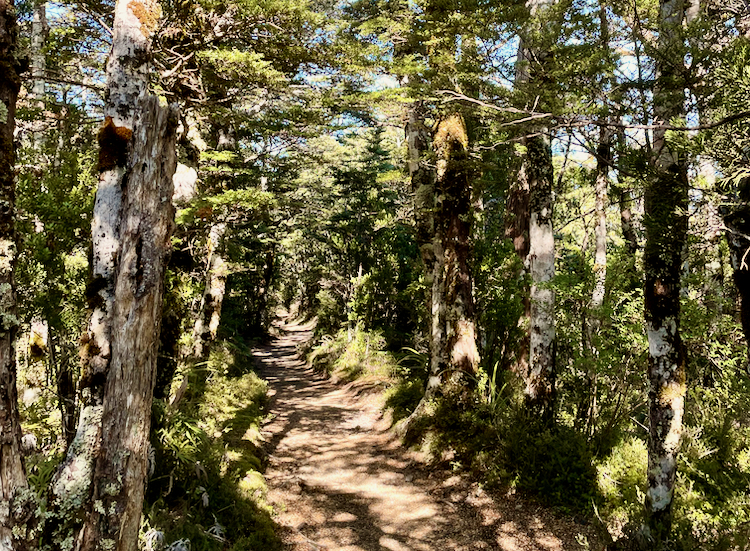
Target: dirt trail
[{"x": 340, "y": 481}]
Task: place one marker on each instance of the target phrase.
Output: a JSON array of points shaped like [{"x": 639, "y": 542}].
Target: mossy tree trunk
[
  {"x": 16, "y": 509},
  {"x": 96, "y": 495},
  {"x": 666, "y": 201},
  {"x": 454, "y": 349}
]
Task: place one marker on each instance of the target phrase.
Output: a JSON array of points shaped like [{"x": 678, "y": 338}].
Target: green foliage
[
  {"x": 40, "y": 468},
  {"x": 350, "y": 356},
  {"x": 500, "y": 293},
  {"x": 554, "y": 463},
  {"x": 403, "y": 397},
  {"x": 208, "y": 488},
  {"x": 330, "y": 312},
  {"x": 622, "y": 482}
]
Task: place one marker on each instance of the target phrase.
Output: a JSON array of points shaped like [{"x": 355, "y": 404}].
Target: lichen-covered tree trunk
[
  {"x": 531, "y": 230},
  {"x": 666, "y": 201},
  {"x": 209, "y": 314},
  {"x": 454, "y": 348},
  {"x": 145, "y": 241},
  {"x": 540, "y": 384},
  {"x": 38, "y": 62},
  {"x": 70, "y": 500},
  {"x": 16, "y": 513},
  {"x": 517, "y": 230},
  {"x": 422, "y": 174}
]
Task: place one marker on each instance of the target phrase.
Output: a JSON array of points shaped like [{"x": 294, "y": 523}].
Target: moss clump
[{"x": 148, "y": 16}]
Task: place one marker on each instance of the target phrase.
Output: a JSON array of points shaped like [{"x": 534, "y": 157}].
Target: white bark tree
[
  {"x": 530, "y": 225},
  {"x": 96, "y": 496},
  {"x": 666, "y": 201}
]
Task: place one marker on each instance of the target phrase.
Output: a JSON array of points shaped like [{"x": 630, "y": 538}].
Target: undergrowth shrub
[
  {"x": 621, "y": 477},
  {"x": 208, "y": 493},
  {"x": 353, "y": 355},
  {"x": 554, "y": 463},
  {"x": 410, "y": 378},
  {"x": 488, "y": 431},
  {"x": 403, "y": 397}
]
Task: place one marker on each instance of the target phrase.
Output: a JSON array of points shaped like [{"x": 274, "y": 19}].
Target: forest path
[{"x": 340, "y": 481}]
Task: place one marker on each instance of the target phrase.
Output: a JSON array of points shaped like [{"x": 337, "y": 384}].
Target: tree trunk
[
  {"x": 540, "y": 385},
  {"x": 737, "y": 222},
  {"x": 530, "y": 227},
  {"x": 454, "y": 348},
  {"x": 624, "y": 202},
  {"x": 66, "y": 387},
  {"x": 16, "y": 507},
  {"x": 423, "y": 190},
  {"x": 603, "y": 164},
  {"x": 146, "y": 227},
  {"x": 209, "y": 315},
  {"x": 123, "y": 163},
  {"x": 39, "y": 30},
  {"x": 666, "y": 200}
]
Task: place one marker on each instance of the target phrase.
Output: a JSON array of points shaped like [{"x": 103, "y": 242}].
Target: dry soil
[{"x": 339, "y": 479}]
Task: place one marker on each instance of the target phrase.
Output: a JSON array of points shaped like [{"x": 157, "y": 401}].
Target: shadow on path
[{"x": 340, "y": 481}]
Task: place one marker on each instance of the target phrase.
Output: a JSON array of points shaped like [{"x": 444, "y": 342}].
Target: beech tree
[
  {"x": 16, "y": 516},
  {"x": 530, "y": 222}
]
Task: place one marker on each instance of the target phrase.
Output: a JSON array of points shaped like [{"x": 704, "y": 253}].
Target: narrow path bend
[{"x": 340, "y": 481}]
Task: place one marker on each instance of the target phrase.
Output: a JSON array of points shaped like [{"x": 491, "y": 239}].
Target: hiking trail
[{"x": 339, "y": 480}]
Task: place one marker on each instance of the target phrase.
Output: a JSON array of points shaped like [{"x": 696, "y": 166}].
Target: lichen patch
[{"x": 148, "y": 16}]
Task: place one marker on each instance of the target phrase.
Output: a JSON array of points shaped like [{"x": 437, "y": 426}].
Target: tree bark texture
[
  {"x": 209, "y": 315},
  {"x": 540, "y": 385},
  {"x": 146, "y": 230},
  {"x": 39, "y": 29},
  {"x": 666, "y": 201},
  {"x": 418, "y": 139},
  {"x": 16, "y": 508},
  {"x": 123, "y": 164},
  {"x": 454, "y": 348},
  {"x": 530, "y": 227}
]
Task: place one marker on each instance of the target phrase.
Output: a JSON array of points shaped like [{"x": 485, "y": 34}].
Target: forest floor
[{"x": 340, "y": 480}]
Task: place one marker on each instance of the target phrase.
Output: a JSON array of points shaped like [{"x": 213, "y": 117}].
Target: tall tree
[
  {"x": 98, "y": 492},
  {"x": 13, "y": 511},
  {"x": 530, "y": 221},
  {"x": 453, "y": 334},
  {"x": 666, "y": 202}
]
